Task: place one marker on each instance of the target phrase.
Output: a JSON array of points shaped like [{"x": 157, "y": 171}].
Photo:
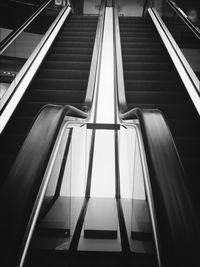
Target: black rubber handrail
[
  {"x": 21, "y": 188},
  {"x": 13, "y": 35},
  {"x": 178, "y": 227},
  {"x": 185, "y": 18}
]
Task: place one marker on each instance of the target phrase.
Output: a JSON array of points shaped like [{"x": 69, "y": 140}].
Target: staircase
[
  {"x": 151, "y": 81},
  {"x": 61, "y": 79}
]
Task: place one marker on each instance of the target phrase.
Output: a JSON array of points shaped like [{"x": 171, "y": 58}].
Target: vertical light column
[
  {"x": 103, "y": 174},
  {"x": 131, "y": 173},
  {"x": 105, "y": 105}
]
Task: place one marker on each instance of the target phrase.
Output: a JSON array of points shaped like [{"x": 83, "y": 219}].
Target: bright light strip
[
  {"x": 103, "y": 173},
  {"x": 105, "y": 104}
]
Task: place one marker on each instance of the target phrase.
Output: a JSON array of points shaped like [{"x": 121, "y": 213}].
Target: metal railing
[
  {"x": 14, "y": 34},
  {"x": 195, "y": 29},
  {"x": 21, "y": 82}
]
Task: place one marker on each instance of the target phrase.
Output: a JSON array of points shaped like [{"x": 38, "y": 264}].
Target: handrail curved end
[{"x": 178, "y": 226}]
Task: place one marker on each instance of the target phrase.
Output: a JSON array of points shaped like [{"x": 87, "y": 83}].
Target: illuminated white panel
[
  {"x": 103, "y": 174},
  {"x": 78, "y": 166},
  {"x": 103, "y": 171},
  {"x": 131, "y": 174},
  {"x": 105, "y": 105},
  {"x": 126, "y": 161},
  {"x": 138, "y": 179}
]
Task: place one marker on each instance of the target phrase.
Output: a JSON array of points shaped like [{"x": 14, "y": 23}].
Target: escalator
[
  {"x": 44, "y": 222},
  {"x": 61, "y": 79},
  {"x": 152, "y": 82}
]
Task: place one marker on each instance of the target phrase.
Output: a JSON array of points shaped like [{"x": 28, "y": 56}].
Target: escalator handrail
[
  {"x": 178, "y": 228},
  {"x": 93, "y": 76},
  {"x": 15, "y": 33},
  {"x": 145, "y": 7},
  {"x": 69, "y": 3},
  {"x": 195, "y": 29},
  {"x": 19, "y": 85},
  {"x": 19, "y": 193}
]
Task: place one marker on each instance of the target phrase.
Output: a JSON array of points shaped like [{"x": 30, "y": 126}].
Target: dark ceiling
[{"x": 14, "y": 13}]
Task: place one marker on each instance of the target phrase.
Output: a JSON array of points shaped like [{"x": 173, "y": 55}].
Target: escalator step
[
  {"x": 141, "y": 44},
  {"x": 88, "y": 44},
  {"x": 75, "y": 29},
  {"x": 145, "y": 58},
  {"x": 149, "y": 75},
  {"x": 66, "y": 65},
  {"x": 56, "y": 95},
  {"x": 136, "y": 30},
  {"x": 138, "y": 34},
  {"x": 69, "y": 57},
  {"x": 76, "y": 38},
  {"x": 77, "y": 33},
  {"x": 63, "y": 74},
  {"x": 140, "y": 39},
  {"x": 142, "y": 51},
  {"x": 71, "y": 50},
  {"x": 61, "y": 84},
  {"x": 151, "y": 85},
  {"x": 142, "y": 66},
  {"x": 155, "y": 96}
]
